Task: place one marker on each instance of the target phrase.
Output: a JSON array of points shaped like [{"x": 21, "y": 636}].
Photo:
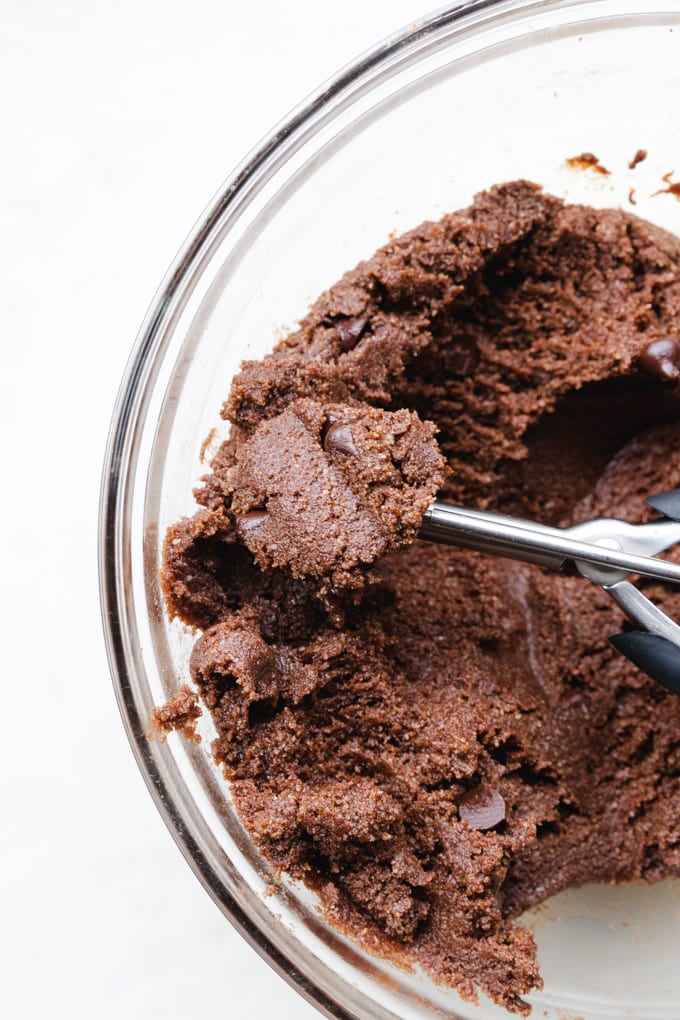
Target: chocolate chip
[
  {"x": 463, "y": 356},
  {"x": 482, "y": 807},
  {"x": 662, "y": 358},
  {"x": 249, "y": 522},
  {"x": 588, "y": 161},
  {"x": 262, "y": 674},
  {"x": 639, "y": 157},
  {"x": 350, "y": 331},
  {"x": 339, "y": 439}
]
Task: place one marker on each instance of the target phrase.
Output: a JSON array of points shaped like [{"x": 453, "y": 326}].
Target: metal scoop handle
[{"x": 500, "y": 535}]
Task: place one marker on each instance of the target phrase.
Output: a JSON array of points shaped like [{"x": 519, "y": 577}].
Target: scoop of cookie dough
[{"x": 326, "y": 489}]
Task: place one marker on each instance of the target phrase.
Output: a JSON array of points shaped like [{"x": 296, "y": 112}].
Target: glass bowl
[{"x": 474, "y": 94}]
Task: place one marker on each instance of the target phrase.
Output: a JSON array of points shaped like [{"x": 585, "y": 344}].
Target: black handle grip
[
  {"x": 667, "y": 503},
  {"x": 656, "y": 656}
]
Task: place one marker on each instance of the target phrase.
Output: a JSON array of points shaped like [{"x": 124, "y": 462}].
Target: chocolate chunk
[
  {"x": 339, "y": 439},
  {"x": 249, "y": 522},
  {"x": 588, "y": 161},
  {"x": 350, "y": 331},
  {"x": 662, "y": 358},
  {"x": 463, "y": 356},
  {"x": 672, "y": 189},
  {"x": 639, "y": 157},
  {"x": 482, "y": 807}
]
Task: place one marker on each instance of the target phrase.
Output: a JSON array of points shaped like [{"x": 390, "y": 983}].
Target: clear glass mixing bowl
[{"x": 474, "y": 94}]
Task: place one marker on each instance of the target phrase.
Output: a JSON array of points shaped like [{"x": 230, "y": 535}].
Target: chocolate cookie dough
[
  {"x": 326, "y": 490},
  {"x": 431, "y": 739},
  {"x": 180, "y": 713}
]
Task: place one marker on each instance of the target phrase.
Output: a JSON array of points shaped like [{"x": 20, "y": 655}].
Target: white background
[{"x": 118, "y": 122}]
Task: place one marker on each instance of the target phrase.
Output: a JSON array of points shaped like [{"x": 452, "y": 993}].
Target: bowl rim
[{"x": 120, "y": 454}]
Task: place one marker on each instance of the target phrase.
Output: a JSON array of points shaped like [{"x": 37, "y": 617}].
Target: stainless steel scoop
[{"x": 606, "y": 551}]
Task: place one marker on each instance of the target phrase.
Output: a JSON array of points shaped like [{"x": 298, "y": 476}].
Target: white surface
[{"x": 118, "y": 124}]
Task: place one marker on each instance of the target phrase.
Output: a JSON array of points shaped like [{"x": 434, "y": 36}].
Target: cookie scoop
[{"x": 606, "y": 551}]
